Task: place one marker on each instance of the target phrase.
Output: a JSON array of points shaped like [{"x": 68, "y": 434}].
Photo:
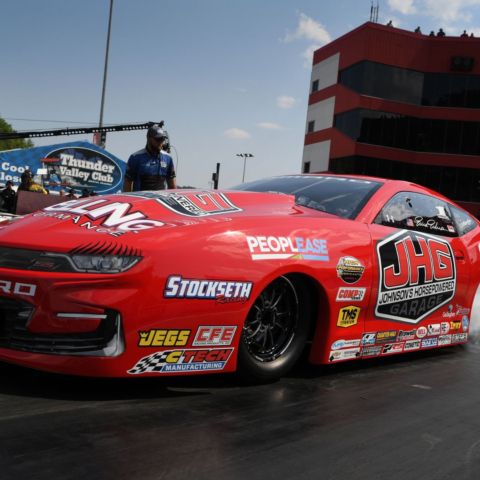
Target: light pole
[
  {"x": 244, "y": 156},
  {"x": 100, "y": 123}
]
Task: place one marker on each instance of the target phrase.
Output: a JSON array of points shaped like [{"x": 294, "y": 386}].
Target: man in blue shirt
[{"x": 150, "y": 168}]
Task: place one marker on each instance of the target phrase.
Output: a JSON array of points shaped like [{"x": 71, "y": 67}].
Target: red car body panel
[{"x": 205, "y": 258}]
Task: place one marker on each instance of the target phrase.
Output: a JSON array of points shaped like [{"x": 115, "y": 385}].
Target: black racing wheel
[{"x": 275, "y": 331}]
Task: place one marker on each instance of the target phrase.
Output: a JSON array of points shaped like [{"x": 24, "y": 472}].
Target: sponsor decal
[
  {"x": 17, "y": 288},
  {"x": 462, "y": 310},
  {"x": 349, "y": 269},
  {"x": 422, "y": 332},
  {"x": 386, "y": 336},
  {"x": 368, "y": 338},
  {"x": 349, "y": 294},
  {"x": 465, "y": 323},
  {"x": 459, "y": 337},
  {"x": 449, "y": 313},
  {"x": 455, "y": 325},
  {"x": 183, "y": 361},
  {"x": 444, "y": 340},
  {"x": 348, "y": 316},
  {"x": 433, "y": 329},
  {"x": 371, "y": 351},
  {"x": 214, "y": 336},
  {"x": 444, "y": 328},
  {"x": 429, "y": 342},
  {"x": 163, "y": 338},
  {"x": 392, "y": 348},
  {"x": 406, "y": 335},
  {"x": 115, "y": 218},
  {"x": 344, "y": 354},
  {"x": 417, "y": 276},
  {"x": 221, "y": 290},
  {"x": 411, "y": 345},
  {"x": 295, "y": 248},
  {"x": 345, "y": 344},
  {"x": 195, "y": 204}
]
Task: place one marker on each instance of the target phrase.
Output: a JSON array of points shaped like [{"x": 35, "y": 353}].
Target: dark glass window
[
  {"x": 311, "y": 126},
  {"x": 470, "y": 138},
  {"x": 384, "y": 81},
  {"x": 415, "y": 211},
  {"x": 306, "y": 167},
  {"x": 410, "y": 86},
  {"x": 472, "y": 96},
  {"x": 465, "y": 223},
  {"x": 314, "y": 86},
  {"x": 340, "y": 196},
  {"x": 435, "y": 137},
  {"x": 410, "y": 133}
]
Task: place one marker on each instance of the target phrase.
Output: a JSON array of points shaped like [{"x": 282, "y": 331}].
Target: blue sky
[{"x": 226, "y": 76}]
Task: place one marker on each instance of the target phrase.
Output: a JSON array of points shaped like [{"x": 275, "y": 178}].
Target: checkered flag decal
[{"x": 152, "y": 363}]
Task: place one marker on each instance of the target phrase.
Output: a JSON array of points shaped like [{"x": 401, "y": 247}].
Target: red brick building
[{"x": 398, "y": 104}]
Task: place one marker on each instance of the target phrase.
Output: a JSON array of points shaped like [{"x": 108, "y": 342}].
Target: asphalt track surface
[{"x": 405, "y": 417}]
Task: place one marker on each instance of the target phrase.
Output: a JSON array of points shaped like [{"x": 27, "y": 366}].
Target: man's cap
[
  {"x": 156, "y": 132},
  {"x": 9, "y": 182}
]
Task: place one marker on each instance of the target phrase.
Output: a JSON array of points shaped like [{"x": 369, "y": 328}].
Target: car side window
[
  {"x": 464, "y": 222},
  {"x": 416, "y": 211}
]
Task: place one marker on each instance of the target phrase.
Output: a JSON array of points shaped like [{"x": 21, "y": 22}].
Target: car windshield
[{"x": 342, "y": 196}]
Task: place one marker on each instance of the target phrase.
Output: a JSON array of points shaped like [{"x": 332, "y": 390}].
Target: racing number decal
[
  {"x": 417, "y": 276},
  {"x": 197, "y": 204}
]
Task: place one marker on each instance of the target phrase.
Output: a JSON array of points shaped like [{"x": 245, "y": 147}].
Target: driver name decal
[{"x": 417, "y": 276}]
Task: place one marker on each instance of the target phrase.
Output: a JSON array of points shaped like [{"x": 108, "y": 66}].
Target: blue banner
[{"x": 77, "y": 165}]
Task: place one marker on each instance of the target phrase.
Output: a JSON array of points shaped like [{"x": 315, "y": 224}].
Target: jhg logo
[
  {"x": 417, "y": 276},
  {"x": 348, "y": 316}
]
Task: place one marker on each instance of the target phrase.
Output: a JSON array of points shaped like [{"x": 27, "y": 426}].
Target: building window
[
  {"x": 314, "y": 86},
  {"x": 410, "y": 133},
  {"x": 306, "y": 167},
  {"x": 410, "y": 86},
  {"x": 311, "y": 126}
]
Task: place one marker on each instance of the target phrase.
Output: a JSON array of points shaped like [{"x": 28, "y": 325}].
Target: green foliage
[{"x": 5, "y": 127}]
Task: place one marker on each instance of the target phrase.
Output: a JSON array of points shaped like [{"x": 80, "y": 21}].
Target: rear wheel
[{"x": 275, "y": 331}]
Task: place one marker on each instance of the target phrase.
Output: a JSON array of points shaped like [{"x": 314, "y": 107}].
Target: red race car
[{"x": 187, "y": 282}]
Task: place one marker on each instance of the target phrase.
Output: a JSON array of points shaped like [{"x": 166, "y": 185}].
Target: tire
[{"x": 275, "y": 331}]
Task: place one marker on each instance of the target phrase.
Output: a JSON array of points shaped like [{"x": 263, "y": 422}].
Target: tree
[{"x": 5, "y": 127}]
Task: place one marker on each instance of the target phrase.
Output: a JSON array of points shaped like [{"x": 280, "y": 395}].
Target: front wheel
[{"x": 274, "y": 333}]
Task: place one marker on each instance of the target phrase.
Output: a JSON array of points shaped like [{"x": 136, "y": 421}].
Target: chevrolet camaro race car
[{"x": 188, "y": 282}]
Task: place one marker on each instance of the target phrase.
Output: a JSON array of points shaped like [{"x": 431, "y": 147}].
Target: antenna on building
[{"x": 374, "y": 12}]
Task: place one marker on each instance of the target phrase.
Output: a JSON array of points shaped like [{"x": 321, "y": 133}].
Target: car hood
[{"x": 140, "y": 215}]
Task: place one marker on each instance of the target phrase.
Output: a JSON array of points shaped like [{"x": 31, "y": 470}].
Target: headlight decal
[{"x": 23, "y": 259}]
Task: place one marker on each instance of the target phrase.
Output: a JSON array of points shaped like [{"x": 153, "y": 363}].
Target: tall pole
[
  {"x": 100, "y": 123},
  {"x": 244, "y": 156},
  {"x": 216, "y": 177}
]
